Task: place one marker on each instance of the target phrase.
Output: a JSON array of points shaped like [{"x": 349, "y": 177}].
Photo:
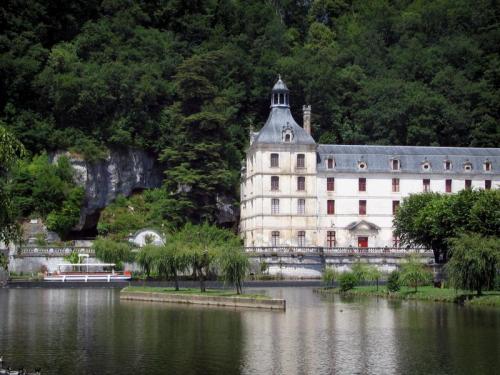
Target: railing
[
  {"x": 294, "y": 250},
  {"x": 53, "y": 251}
]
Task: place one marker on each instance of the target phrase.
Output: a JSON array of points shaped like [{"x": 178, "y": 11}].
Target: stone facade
[{"x": 298, "y": 194}]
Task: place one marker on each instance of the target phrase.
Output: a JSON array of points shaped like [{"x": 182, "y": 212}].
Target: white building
[{"x": 296, "y": 193}]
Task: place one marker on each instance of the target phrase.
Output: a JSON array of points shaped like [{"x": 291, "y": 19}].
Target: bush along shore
[
  {"x": 217, "y": 297},
  {"x": 473, "y": 286},
  {"x": 425, "y": 293}
]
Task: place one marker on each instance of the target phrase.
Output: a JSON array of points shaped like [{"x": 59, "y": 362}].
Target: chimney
[{"x": 307, "y": 118}]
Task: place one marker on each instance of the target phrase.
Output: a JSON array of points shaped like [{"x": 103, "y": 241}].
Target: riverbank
[
  {"x": 194, "y": 296},
  {"x": 425, "y": 293},
  {"x": 212, "y": 284}
]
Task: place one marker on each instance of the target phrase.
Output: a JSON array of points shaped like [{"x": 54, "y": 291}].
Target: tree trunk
[
  {"x": 176, "y": 280},
  {"x": 436, "y": 256},
  {"x": 238, "y": 287},
  {"x": 377, "y": 284},
  {"x": 202, "y": 280}
]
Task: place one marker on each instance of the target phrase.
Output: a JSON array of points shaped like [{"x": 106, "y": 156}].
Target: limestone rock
[{"x": 121, "y": 173}]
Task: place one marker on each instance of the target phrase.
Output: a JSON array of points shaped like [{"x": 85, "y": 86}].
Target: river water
[{"x": 90, "y": 331}]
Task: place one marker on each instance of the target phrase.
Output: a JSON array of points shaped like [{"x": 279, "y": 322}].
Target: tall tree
[{"x": 200, "y": 162}]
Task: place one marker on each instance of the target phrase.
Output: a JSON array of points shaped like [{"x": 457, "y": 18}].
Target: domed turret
[
  {"x": 279, "y": 96},
  {"x": 280, "y": 127}
]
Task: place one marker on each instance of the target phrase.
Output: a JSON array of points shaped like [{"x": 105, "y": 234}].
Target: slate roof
[
  {"x": 271, "y": 133},
  {"x": 412, "y": 158},
  {"x": 280, "y": 85}
]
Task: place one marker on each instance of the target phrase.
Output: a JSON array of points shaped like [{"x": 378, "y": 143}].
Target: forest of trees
[{"x": 186, "y": 80}]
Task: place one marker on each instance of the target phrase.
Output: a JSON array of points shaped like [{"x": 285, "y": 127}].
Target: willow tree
[
  {"x": 203, "y": 246},
  {"x": 169, "y": 260},
  {"x": 234, "y": 264},
  {"x": 414, "y": 273},
  {"x": 474, "y": 263},
  {"x": 111, "y": 251}
]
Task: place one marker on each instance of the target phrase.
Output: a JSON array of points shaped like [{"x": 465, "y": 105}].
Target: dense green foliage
[
  {"x": 127, "y": 215},
  {"x": 47, "y": 190},
  {"x": 67, "y": 216},
  {"x": 393, "y": 282},
  {"x": 110, "y": 251},
  {"x": 187, "y": 79},
  {"x": 475, "y": 262},
  {"x": 10, "y": 150},
  {"x": 432, "y": 219}
]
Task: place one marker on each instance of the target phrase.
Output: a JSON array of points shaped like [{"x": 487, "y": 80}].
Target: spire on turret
[{"x": 280, "y": 94}]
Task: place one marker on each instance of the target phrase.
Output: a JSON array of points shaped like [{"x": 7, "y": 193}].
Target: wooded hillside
[{"x": 187, "y": 79}]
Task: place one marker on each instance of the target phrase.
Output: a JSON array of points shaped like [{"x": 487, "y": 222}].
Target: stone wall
[{"x": 312, "y": 266}]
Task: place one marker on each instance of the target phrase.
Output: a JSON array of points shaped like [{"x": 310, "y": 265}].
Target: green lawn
[
  {"x": 427, "y": 293},
  {"x": 193, "y": 291}
]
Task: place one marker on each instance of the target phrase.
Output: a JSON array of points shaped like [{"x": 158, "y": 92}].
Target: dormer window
[
  {"x": 467, "y": 166},
  {"x": 287, "y": 133},
  {"x": 447, "y": 165},
  {"x": 426, "y": 166},
  {"x": 487, "y": 166},
  {"x": 362, "y": 165},
  {"x": 330, "y": 163},
  {"x": 395, "y": 164}
]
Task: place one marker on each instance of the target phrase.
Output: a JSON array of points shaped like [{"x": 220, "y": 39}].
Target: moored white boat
[{"x": 87, "y": 272}]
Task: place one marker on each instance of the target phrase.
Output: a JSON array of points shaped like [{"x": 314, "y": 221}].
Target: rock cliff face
[{"x": 122, "y": 172}]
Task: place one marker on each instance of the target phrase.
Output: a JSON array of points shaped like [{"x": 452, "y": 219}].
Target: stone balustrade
[
  {"x": 336, "y": 251},
  {"x": 53, "y": 251}
]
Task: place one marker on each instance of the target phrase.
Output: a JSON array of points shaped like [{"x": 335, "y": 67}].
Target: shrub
[
  {"x": 347, "y": 281},
  {"x": 414, "y": 273},
  {"x": 329, "y": 276},
  {"x": 73, "y": 258},
  {"x": 360, "y": 271},
  {"x": 393, "y": 282}
]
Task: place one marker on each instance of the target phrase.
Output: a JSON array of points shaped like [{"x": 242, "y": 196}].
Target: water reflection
[{"x": 86, "y": 331}]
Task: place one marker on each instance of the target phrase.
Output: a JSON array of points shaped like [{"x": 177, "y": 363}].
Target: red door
[{"x": 362, "y": 241}]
